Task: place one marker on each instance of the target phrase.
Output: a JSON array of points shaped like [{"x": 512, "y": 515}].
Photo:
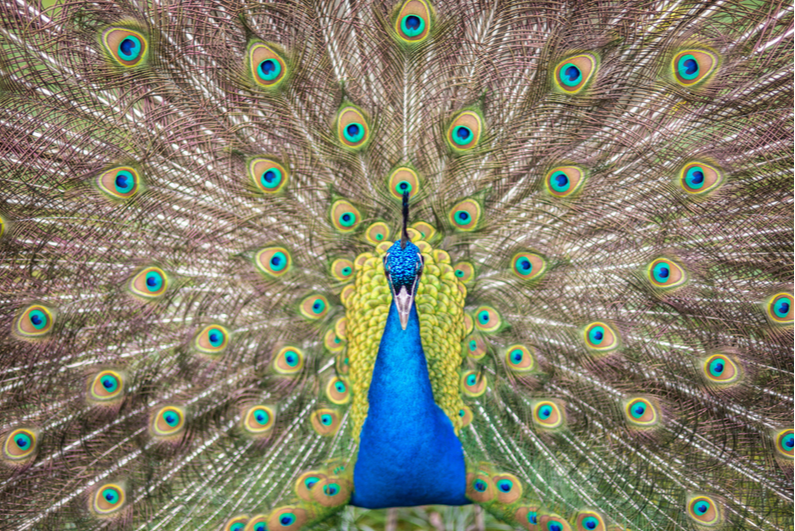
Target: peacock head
[{"x": 403, "y": 265}]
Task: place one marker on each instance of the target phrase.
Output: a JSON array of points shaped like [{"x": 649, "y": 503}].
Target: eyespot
[
  {"x": 785, "y": 442},
  {"x": 547, "y": 414},
  {"x": 487, "y": 319},
  {"x": 519, "y": 358},
  {"x": 344, "y": 216},
  {"x": 779, "y": 308},
  {"x": 413, "y": 22},
  {"x": 287, "y": 519},
  {"x": 331, "y": 492},
  {"x": 342, "y": 269},
  {"x": 257, "y": 523},
  {"x": 332, "y": 342},
  {"x": 150, "y": 283},
  {"x": 353, "y": 130},
  {"x": 426, "y": 232},
  {"x": 338, "y": 391},
  {"x": 666, "y": 274},
  {"x": 108, "y": 499},
  {"x": 237, "y": 523},
  {"x": 212, "y": 339},
  {"x": 574, "y": 73},
  {"x": 258, "y": 419},
  {"x": 464, "y": 272},
  {"x": 268, "y": 176},
  {"x": 168, "y": 421},
  {"x": 288, "y": 361},
  {"x": 563, "y": 181},
  {"x": 601, "y": 337},
  {"x": 590, "y": 521},
  {"x": 527, "y": 517},
  {"x": 342, "y": 364},
  {"x": 691, "y": 67},
  {"x": 35, "y": 322},
  {"x": 466, "y": 416},
  {"x": 119, "y": 183},
  {"x": 402, "y": 180},
  {"x": 267, "y": 68},
  {"x": 106, "y": 386},
  {"x": 273, "y": 261},
  {"x": 307, "y": 482},
  {"x": 480, "y": 488},
  {"x": 473, "y": 383},
  {"x": 528, "y": 266},
  {"x": 641, "y": 413},
  {"x": 465, "y": 216},
  {"x": 325, "y": 421},
  {"x": 553, "y": 522},
  {"x": 721, "y": 369},
  {"x": 469, "y": 323},
  {"x": 698, "y": 178},
  {"x": 704, "y": 510},
  {"x": 126, "y": 46},
  {"x": 314, "y": 307},
  {"x": 508, "y": 488},
  {"x": 377, "y": 233},
  {"x": 19, "y": 445},
  {"x": 464, "y": 131},
  {"x": 475, "y": 347}
]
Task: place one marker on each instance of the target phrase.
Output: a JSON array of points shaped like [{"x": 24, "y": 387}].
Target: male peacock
[{"x": 261, "y": 261}]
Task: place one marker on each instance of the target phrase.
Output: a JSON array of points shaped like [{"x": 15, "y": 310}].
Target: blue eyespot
[
  {"x": 473, "y": 345},
  {"x": 310, "y": 482},
  {"x": 505, "y": 485},
  {"x": 788, "y": 441},
  {"x": 38, "y": 319},
  {"x": 559, "y": 182},
  {"x": 278, "y": 261},
  {"x": 318, "y": 306},
  {"x": 462, "y": 135},
  {"x": 638, "y": 410},
  {"x": 154, "y": 281},
  {"x": 687, "y": 67},
  {"x": 331, "y": 489},
  {"x": 345, "y": 271},
  {"x": 109, "y": 383},
  {"x": 325, "y": 419},
  {"x": 130, "y": 48},
  {"x": 695, "y": 177},
  {"x": 661, "y": 272},
  {"x": 781, "y": 307},
  {"x": 22, "y": 440},
  {"x": 525, "y": 265},
  {"x": 110, "y": 495},
  {"x": 261, "y": 417},
  {"x": 171, "y": 419},
  {"x": 340, "y": 387},
  {"x": 596, "y": 335},
  {"x": 483, "y": 317},
  {"x": 716, "y": 367},
  {"x": 462, "y": 413},
  {"x": 216, "y": 337},
  {"x": 353, "y": 132},
  {"x": 269, "y": 69},
  {"x": 472, "y": 380},
  {"x": 271, "y": 178},
  {"x": 237, "y": 526},
  {"x": 516, "y": 356},
  {"x": 260, "y": 527},
  {"x": 462, "y": 216},
  {"x": 554, "y": 526},
  {"x": 287, "y": 519},
  {"x": 544, "y": 412},
  {"x": 480, "y": 485},
  {"x": 124, "y": 182},
  {"x": 412, "y": 25},
  {"x": 347, "y": 219},
  {"x": 291, "y": 359},
  {"x": 532, "y": 517},
  {"x": 590, "y": 522},
  {"x": 570, "y": 75},
  {"x": 701, "y": 507}
]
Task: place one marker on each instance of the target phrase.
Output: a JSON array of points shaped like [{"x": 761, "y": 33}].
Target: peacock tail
[{"x": 205, "y": 211}]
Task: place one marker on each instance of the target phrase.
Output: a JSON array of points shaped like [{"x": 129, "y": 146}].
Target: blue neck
[{"x": 408, "y": 452}]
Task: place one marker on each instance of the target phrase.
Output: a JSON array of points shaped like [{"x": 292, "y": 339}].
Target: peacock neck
[{"x": 408, "y": 451}]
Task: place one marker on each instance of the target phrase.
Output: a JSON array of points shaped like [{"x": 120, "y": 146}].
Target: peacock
[{"x": 262, "y": 262}]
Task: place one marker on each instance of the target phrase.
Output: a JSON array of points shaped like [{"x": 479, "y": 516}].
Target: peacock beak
[{"x": 403, "y": 301}]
